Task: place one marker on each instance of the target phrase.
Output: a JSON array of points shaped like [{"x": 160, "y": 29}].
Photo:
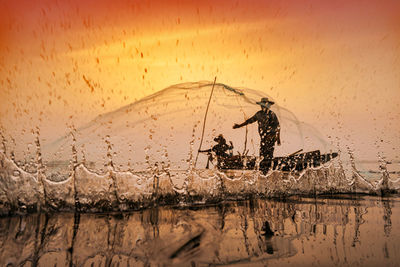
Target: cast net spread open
[{"x": 167, "y": 127}]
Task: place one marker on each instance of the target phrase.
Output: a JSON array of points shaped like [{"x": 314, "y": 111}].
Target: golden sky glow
[{"x": 335, "y": 64}]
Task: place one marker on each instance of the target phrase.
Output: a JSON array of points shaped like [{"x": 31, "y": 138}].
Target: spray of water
[{"x": 144, "y": 154}]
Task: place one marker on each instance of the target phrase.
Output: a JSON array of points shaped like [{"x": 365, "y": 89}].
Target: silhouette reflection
[{"x": 297, "y": 230}]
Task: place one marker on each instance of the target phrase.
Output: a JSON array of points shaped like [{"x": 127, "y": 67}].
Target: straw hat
[{"x": 264, "y": 101}]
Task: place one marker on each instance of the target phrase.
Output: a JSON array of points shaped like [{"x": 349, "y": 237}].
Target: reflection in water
[{"x": 323, "y": 231}]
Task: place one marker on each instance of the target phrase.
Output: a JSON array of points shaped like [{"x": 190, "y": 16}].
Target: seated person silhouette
[{"x": 220, "y": 150}]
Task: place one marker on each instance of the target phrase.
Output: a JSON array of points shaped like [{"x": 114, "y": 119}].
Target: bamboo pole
[{"x": 204, "y": 122}]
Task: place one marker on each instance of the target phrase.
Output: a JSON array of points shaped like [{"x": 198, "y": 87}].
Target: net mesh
[{"x": 167, "y": 127}]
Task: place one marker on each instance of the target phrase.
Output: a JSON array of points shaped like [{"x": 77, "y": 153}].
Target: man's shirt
[{"x": 268, "y": 123}]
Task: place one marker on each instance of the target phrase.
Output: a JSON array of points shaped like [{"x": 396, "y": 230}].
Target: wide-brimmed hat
[
  {"x": 264, "y": 101},
  {"x": 219, "y": 138}
]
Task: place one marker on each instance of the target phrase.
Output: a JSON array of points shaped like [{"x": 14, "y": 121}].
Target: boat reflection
[{"x": 297, "y": 230}]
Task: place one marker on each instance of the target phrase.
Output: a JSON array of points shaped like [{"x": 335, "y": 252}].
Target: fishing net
[{"x": 166, "y": 128}]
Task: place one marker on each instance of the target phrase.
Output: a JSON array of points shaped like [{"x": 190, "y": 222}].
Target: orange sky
[{"x": 335, "y": 64}]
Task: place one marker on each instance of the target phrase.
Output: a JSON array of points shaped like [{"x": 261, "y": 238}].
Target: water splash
[
  {"x": 142, "y": 155},
  {"x": 86, "y": 190}
]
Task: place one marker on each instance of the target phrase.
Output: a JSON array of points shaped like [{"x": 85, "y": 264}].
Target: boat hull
[{"x": 296, "y": 162}]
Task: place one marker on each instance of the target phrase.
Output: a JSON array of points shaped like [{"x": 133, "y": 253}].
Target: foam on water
[{"x": 115, "y": 190}]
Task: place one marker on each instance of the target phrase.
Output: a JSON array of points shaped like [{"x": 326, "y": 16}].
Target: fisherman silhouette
[
  {"x": 268, "y": 234},
  {"x": 269, "y": 130},
  {"x": 220, "y": 150}
]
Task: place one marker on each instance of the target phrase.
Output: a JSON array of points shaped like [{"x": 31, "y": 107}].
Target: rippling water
[{"x": 342, "y": 231}]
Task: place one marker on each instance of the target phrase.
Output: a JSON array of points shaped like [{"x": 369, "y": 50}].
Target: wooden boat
[{"x": 293, "y": 162}]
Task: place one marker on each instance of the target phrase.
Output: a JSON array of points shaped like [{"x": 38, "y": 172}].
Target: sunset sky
[{"x": 335, "y": 64}]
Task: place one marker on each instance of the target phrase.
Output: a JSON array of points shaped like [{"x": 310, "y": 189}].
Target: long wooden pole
[
  {"x": 204, "y": 121},
  {"x": 294, "y": 153}
]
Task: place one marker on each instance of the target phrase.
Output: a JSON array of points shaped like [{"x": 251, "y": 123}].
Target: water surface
[{"x": 325, "y": 231}]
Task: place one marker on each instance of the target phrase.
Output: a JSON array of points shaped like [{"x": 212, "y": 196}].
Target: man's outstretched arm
[
  {"x": 248, "y": 121},
  {"x": 206, "y": 150}
]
